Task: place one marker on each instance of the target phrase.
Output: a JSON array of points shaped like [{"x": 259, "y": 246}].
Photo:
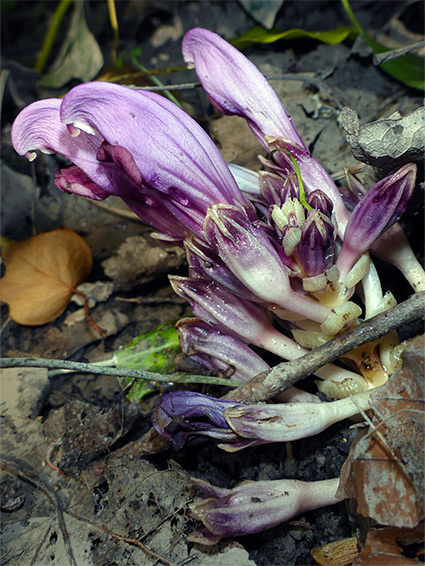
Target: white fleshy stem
[
  {"x": 393, "y": 247},
  {"x": 372, "y": 291},
  {"x": 286, "y": 422},
  {"x": 338, "y": 382}
]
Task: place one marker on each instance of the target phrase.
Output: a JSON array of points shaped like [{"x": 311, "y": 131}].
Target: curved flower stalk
[{"x": 252, "y": 507}]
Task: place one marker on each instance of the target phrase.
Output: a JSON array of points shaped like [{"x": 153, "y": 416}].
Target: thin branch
[
  {"x": 268, "y": 384},
  {"x": 81, "y": 367}
]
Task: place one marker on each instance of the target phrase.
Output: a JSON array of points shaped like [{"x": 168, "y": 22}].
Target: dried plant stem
[
  {"x": 268, "y": 384},
  {"x": 81, "y": 367}
]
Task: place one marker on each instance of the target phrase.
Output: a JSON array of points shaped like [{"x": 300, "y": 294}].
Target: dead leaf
[
  {"x": 385, "y": 469},
  {"x": 80, "y": 56},
  {"x": 389, "y": 143},
  {"x": 381, "y": 549},
  {"x": 338, "y": 553},
  {"x": 141, "y": 260},
  {"x": 41, "y": 274}
]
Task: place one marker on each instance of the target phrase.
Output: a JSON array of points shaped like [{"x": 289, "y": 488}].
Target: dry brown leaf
[
  {"x": 381, "y": 549},
  {"x": 385, "y": 469},
  {"x": 41, "y": 274},
  {"x": 338, "y": 553}
]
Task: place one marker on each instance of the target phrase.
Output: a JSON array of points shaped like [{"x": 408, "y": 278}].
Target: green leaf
[
  {"x": 155, "y": 351},
  {"x": 409, "y": 69},
  {"x": 152, "y": 351},
  {"x": 80, "y": 56},
  {"x": 259, "y": 34}
]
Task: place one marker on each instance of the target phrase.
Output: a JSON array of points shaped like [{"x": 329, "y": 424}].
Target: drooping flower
[
  {"x": 185, "y": 416},
  {"x": 133, "y": 144}
]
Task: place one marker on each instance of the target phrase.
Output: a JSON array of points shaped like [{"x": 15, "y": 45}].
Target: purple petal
[
  {"x": 236, "y": 86},
  {"x": 221, "y": 308},
  {"x": 316, "y": 249},
  {"x": 183, "y": 416},
  {"x": 38, "y": 127},
  {"x": 172, "y": 153},
  {"x": 204, "y": 262}
]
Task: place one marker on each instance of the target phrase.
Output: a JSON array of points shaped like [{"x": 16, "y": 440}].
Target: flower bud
[{"x": 316, "y": 249}]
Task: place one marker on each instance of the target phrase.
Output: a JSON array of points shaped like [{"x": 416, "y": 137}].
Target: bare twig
[
  {"x": 82, "y": 367},
  {"x": 268, "y": 384}
]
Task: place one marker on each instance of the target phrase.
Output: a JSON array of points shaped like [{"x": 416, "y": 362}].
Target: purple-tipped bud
[
  {"x": 376, "y": 212},
  {"x": 221, "y": 308},
  {"x": 233, "y": 315},
  {"x": 319, "y": 201},
  {"x": 247, "y": 252},
  {"x": 185, "y": 417},
  {"x": 256, "y": 506},
  {"x": 316, "y": 249},
  {"x": 277, "y": 190},
  {"x": 217, "y": 351}
]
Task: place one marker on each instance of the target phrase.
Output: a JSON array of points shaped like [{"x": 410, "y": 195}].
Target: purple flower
[
  {"x": 234, "y": 315},
  {"x": 249, "y": 254},
  {"x": 133, "y": 144},
  {"x": 316, "y": 249},
  {"x": 187, "y": 417},
  {"x": 256, "y": 506},
  {"x": 236, "y": 86},
  {"x": 204, "y": 263},
  {"x": 223, "y": 353}
]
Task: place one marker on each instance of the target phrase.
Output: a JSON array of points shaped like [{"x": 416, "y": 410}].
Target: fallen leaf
[
  {"x": 41, "y": 274},
  {"x": 338, "y": 553},
  {"x": 384, "y": 472},
  {"x": 381, "y": 549},
  {"x": 260, "y": 35},
  {"x": 388, "y": 143},
  {"x": 263, "y": 11}
]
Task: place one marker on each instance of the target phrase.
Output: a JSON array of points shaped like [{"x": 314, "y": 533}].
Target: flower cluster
[{"x": 270, "y": 253}]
